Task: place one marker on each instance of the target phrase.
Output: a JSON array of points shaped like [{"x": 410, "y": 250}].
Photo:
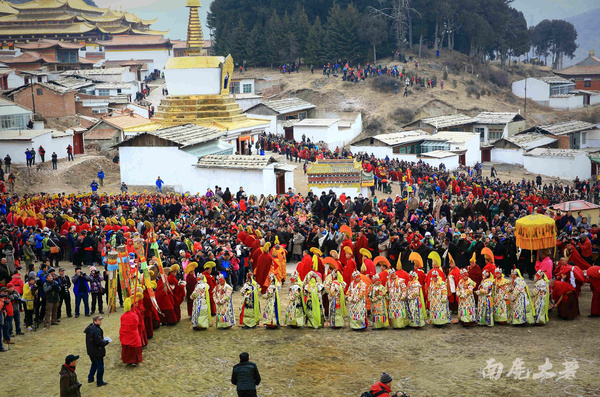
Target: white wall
[
  {"x": 379, "y": 151},
  {"x": 473, "y": 154},
  {"x": 566, "y": 103},
  {"x": 159, "y": 56},
  {"x": 16, "y": 149},
  {"x": 142, "y": 166},
  {"x": 247, "y": 103},
  {"x": 508, "y": 156},
  {"x": 536, "y": 89},
  {"x": 15, "y": 80},
  {"x": 139, "y": 110},
  {"x": 198, "y": 81},
  {"x": 272, "y": 128},
  {"x": 592, "y": 139},
  {"x": 594, "y": 99},
  {"x": 451, "y": 163},
  {"x": 328, "y": 134},
  {"x": 563, "y": 167}
]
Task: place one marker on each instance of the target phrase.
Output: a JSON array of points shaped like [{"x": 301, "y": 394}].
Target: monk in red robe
[
  {"x": 139, "y": 311},
  {"x": 165, "y": 303},
  {"x": 150, "y": 316},
  {"x": 129, "y": 335},
  {"x": 361, "y": 242},
  {"x": 475, "y": 274},
  {"x": 565, "y": 299},
  {"x": 264, "y": 264},
  {"x": 190, "y": 285},
  {"x": 177, "y": 290},
  {"x": 349, "y": 268},
  {"x": 593, "y": 273},
  {"x": 212, "y": 284},
  {"x": 453, "y": 278},
  {"x": 304, "y": 266}
]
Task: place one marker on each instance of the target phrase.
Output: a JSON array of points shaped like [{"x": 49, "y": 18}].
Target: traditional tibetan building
[
  {"x": 585, "y": 74},
  {"x": 66, "y": 20},
  {"x": 340, "y": 176},
  {"x": 54, "y": 55}
]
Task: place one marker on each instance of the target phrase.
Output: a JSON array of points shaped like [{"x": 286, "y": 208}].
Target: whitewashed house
[
  {"x": 572, "y": 134},
  {"x": 277, "y": 112},
  {"x": 401, "y": 145},
  {"x": 464, "y": 144},
  {"x": 13, "y": 116},
  {"x": 492, "y": 126},
  {"x": 15, "y": 142},
  {"x": 562, "y": 163},
  {"x": 512, "y": 150},
  {"x": 552, "y": 91}
]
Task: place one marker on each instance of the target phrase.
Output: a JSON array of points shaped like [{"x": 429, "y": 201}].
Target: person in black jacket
[
  {"x": 96, "y": 348},
  {"x": 69, "y": 385},
  {"x": 64, "y": 293},
  {"x": 245, "y": 376}
]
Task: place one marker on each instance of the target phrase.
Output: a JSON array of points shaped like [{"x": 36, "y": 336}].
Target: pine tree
[
  {"x": 342, "y": 32},
  {"x": 272, "y": 38},
  {"x": 255, "y": 47},
  {"x": 237, "y": 42},
  {"x": 300, "y": 27},
  {"x": 315, "y": 51}
]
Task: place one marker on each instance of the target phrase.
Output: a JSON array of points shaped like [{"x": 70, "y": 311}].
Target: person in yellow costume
[{"x": 279, "y": 257}]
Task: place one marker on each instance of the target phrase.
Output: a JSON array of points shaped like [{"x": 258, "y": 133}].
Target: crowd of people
[{"x": 442, "y": 251}]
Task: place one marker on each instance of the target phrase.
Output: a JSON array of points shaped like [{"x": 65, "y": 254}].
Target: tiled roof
[
  {"x": 126, "y": 121},
  {"x": 45, "y": 43},
  {"x": 72, "y": 82},
  {"x": 317, "y": 122},
  {"x": 452, "y": 136},
  {"x": 5, "y": 8},
  {"x": 235, "y": 161},
  {"x": 545, "y": 152},
  {"x": 554, "y": 80},
  {"x": 187, "y": 134},
  {"x": 439, "y": 154},
  {"x": 22, "y": 135},
  {"x": 497, "y": 117},
  {"x": 448, "y": 121},
  {"x": 577, "y": 205},
  {"x": 134, "y": 40},
  {"x": 76, "y": 28},
  {"x": 587, "y": 70},
  {"x": 401, "y": 137},
  {"x": 566, "y": 127},
  {"x": 287, "y": 105},
  {"x": 530, "y": 141}
]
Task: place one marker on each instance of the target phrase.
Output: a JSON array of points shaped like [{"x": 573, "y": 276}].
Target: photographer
[
  {"x": 6, "y": 313},
  {"x": 65, "y": 295},
  {"x": 383, "y": 388},
  {"x": 51, "y": 291},
  {"x": 81, "y": 290},
  {"x": 69, "y": 385},
  {"x": 96, "y": 289},
  {"x": 15, "y": 299},
  {"x": 29, "y": 296}
]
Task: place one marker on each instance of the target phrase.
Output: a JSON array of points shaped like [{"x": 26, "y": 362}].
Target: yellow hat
[
  {"x": 139, "y": 296},
  {"x": 127, "y": 304},
  {"x": 267, "y": 247},
  {"x": 173, "y": 227},
  {"x": 365, "y": 252},
  {"x": 151, "y": 273},
  {"x": 258, "y": 233},
  {"x": 363, "y": 268},
  {"x": 276, "y": 240},
  {"x": 315, "y": 261},
  {"x": 316, "y": 251},
  {"x": 488, "y": 254},
  {"x": 148, "y": 224},
  {"x": 190, "y": 267},
  {"x": 334, "y": 254},
  {"x": 347, "y": 249},
  {"x": 175, "y": 268},
  {"x": 209, "y": 265},
  {"x": 153, "y": 284},
  {"x": 473, "y": 259},
  {"x": 130, "y": 222}
]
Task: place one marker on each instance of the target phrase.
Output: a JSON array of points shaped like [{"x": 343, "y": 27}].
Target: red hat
[{"x": 10, "y": 285}]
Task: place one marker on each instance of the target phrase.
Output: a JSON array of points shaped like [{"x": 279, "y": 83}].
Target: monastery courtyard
[{"x": 324, "y": 362}]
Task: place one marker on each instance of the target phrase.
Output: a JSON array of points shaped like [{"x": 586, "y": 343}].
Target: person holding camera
[
  {"x": 95, "y": 344},
  {"x": 64, "y": 295},
  {"x": 96, "y": 289},
  {"x": 81, "y": 290},
  {"x": 383, "y": 388},
  {"x": 69, "y": 385},
  {"x": 51, "y": 292}
]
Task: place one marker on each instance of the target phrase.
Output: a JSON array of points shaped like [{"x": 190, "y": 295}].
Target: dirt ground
[{"x": 302, "y": 362}]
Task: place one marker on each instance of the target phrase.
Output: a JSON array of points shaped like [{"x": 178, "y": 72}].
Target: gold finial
[
  {"x": 592, "y": 53},
  {"x": 195, "y": 39}
]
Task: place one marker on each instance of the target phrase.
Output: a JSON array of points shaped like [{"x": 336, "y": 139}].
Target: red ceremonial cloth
[{"x": 129, "y": 334}]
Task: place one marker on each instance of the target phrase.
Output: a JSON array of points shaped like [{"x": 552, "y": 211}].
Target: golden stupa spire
[{"x": 195, "y": 39}]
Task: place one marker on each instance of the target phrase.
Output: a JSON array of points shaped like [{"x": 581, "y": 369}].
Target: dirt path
[{"x": 306, "y": 362}]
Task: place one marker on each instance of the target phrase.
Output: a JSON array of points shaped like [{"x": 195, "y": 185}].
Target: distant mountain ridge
[{"x": 588, "y": 35}]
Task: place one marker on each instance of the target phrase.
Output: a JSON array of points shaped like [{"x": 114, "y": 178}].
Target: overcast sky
[{"x": 171, "y": 13}]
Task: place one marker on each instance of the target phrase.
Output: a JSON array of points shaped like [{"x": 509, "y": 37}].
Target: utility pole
[{"x": 525, "y": 110}]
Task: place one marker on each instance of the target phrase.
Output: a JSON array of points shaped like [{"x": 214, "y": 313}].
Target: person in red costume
[
  {"x": 139, "y": 311},
  {"x": 264, "y": 266},
  {"x": 361, "y": 242},
  {"x": 165, "y": 303},
  {"x": 212, "y": 284},
  {"x": 131, "y": 343},
  {"x": 490, "y": 266},
  {"x": 453, "y": 280},
  {"x": 565, "y": 300},
  {"x": 475, "y": 274},
  {"x": 176, "y": 288},
  {"x": 151, "y": 319},
  {"x": 304, "y": 266},
  {"x": 593, "y": 274},
  {"x": 190, "y": 285},
  {"x": 349, "y": 267}
]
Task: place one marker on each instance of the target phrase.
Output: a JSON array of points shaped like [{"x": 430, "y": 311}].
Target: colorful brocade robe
[{"x": 466, "y": 301}]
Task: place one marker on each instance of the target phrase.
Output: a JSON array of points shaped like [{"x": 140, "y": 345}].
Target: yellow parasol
[{"x": 535, "y": 232}]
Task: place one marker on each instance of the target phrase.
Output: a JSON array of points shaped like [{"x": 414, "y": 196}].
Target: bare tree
[{"x": 398, "y": 11}]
